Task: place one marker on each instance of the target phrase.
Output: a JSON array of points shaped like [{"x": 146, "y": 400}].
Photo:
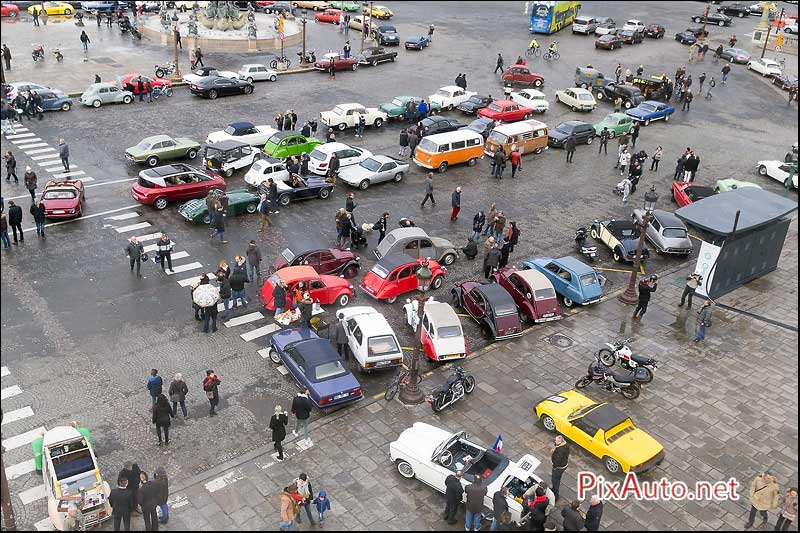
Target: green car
[
  {"x": 239, "y": 201},
  {"x": 731, "y": 184},
  {"x": 347, "y": 6},
  {"x": 617, "y": 124},
  {"x": 153, "y": 150},
  {"x": 397, "y": 107},
  {"x": 288, "y": 143}
]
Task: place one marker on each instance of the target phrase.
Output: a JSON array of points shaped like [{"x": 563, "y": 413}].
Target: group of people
[
  {"x": 297, "y": 497},
  {"x": 135, "y": 492},
  {"x": 176, "y": 394},
  {"x": 286, "y": 121}
]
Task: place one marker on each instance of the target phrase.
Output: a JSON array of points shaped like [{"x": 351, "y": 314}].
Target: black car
[
  {"x": 654, "y": 31},
  {"x": 608, "y": 41},
  {"x": 475, "y": 103},
  {"x": 280, "y": 7},
  {"x": 439, "y": 124},
  {"x": 735, "y": 10},
  {"x": 630, "y": 94},
  {"x": 581, "y": 131},
  {"x": 482, "y": 125},
  {"x": 686, "y": 37},
  {"x": 785, "y": 81},
  {"x": 373, "y": 55},
  {"x": 630, "y": 36},
  {"x": 304, "y": 188},
  {"x": 214, "y": 86},
  {"x": 387, "y": 36},
  {"x": 713, "y": 18},
  {"x": 697, "y": 31}
]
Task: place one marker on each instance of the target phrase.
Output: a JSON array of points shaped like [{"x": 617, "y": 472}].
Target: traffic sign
[{"x": 281, "y": 35}]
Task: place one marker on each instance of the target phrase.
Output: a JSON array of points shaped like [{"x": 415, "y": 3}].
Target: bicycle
[
  {"x": 400, "y": 378},
  {"x": 535, "y": 52},
  {"x": 551, "y": 54}
]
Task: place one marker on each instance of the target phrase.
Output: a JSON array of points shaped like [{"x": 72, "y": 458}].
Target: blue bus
[{"x": 549, "y": 17}]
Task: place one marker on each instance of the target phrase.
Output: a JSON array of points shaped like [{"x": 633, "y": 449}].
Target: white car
[
  {"x": 791, "y": 28},
  {"x": 257, "y": 72},
  {"x": 430, "y": 454},
  {"x": 23, "y": 86},
  {"x": 634, "y": 25},
  {"x": 370, "y": 338},
  {"x": 605, "y": 25},
  {"x": 263, "y": 169},
  {"x": 576, "y": 98},
  {"x": 375, "y": 169},
  {"x": 450, "y": 97},
  {"x": 346, "y": 116},
  {"x": 764, "y": 66},
  {"x": 204, "y": 72},
  {"x": 531, "y": 98},
  {"x": 777, "y": 170},
  {"x": 245, "y": 132},
  {"x": 442, "y": 335},
  {"x": 347, "y": 155}
]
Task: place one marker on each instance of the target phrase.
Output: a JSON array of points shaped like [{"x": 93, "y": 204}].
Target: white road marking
[
  {"x": 44, "y": 524},
  {"x": 69, "y": 174},
  {"x": 223, "y": 481},
  {"x": 23, "y": 438},
  {"x": 191, "y": 281},
  {"x": 184, "y": 268},
  {"x": 264, "y": 353},
  {"x": 180, "y": 255},
  {"x": 17, "y": 414},
  {"x": 31, "y": 495},
  {"x": 283, "y": 371},
  {"x": 149, "y": 237},
  {"x": 84, "y": 217},
  {"x": 31, "y": 145},
  {"x": 133, "y": 227},
  {"x": 179, "y": 501},
  {"x": 244, "y": 319},
  {"x": 20, "y": 128},
  {"x": 106, "y": 182},
  {"x": 304, "y": 444},
  {"x": 19, "y": 470},
  {"x": 124, "y": 216},
  {"x": 40, "y": 151},
  {"x": 260, "y": 332},
  {"x": 20, "y": 136},
  {"x": 221, "y": 305},
  {"x": 150, "y": 248},
  {"x": 4, "y": 371},
  {"x": 48, "y": 156},
  {"x": 55, "y": 167},
  {"x": 10, "y": 392}
]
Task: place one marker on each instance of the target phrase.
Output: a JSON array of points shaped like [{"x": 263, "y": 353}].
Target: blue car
[
  {"x": 650, "y": 110},
  {"x": 576, "y": 282},
  {"x": 53, "y": 101},
  {"x": 416, "y": 43},
  {"x": 315, "y": 364}
]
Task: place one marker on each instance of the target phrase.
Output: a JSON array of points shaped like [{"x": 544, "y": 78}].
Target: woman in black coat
[
  {"x": 162, "y": 417},
  {"x": 278, "y": 426}
]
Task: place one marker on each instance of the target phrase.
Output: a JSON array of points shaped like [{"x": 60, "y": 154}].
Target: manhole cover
[{"x": 560, "y": 341}]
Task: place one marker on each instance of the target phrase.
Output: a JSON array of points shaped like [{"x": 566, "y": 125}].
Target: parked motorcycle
[
  {"x": 627, "y": 384},
  {"x": 459, "y": 383},
  {"x": 587, "y": 250},
  {"x": 311, "y": 56},
  {"x": 38, "y": 52},
  {"x": 627, "y": 359},
  {"x": 162, "y": 71}
]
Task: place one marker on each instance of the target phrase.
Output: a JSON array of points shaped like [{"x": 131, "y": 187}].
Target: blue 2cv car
[{"x": 576, "y": 282}]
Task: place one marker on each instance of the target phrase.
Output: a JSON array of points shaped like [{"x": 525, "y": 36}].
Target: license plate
[
  {"x": 383, "y": 363},
  {"x": 58, "y": 212},
  {"x": 342, "y": 395}
]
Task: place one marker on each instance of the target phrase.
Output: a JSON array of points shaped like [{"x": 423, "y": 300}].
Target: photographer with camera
[{"x": 692, "y": 282}]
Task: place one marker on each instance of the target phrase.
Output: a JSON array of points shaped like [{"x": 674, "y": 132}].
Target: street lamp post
[
  {"x": 304, "y": 21},
  {"x": 176, "y": 76},
  {"x": 363, "y": 21},
  {"x": 629, "y": 297},
  {"x": 410, "y": 393},
  {"x": 9, "y": 520}
]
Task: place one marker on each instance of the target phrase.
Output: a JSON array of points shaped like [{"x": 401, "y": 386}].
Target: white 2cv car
[
  {"x": 442, "y": 336},
  {"x": 430, "y": 454},
  {"x": 345, "y": 116},
  {"x": 371, "y": 339}
]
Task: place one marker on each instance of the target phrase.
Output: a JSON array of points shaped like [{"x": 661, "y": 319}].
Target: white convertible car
[
  {"x": 345, "y": 116},
  {"x": 430, "y": 454},
  {"x": 245, "y": 132},
  {"x": 777, "y": 170}
]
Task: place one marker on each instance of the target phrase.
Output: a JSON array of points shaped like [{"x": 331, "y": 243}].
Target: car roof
[
  {"x": 515, "y": 128},
  {"x": 101, "y": 84},
  {"x": 284, "y": 134},
  {"x": 494, "y": 292},
  {"x": 450, "y": 136},
  {"x": 621, "y": 223},
  {"x": 294, "y": 273},
  {"x": 605, "y": 416},
  {"x": 227, "y": 144},
  {"x": 370, "y": 321},
  {"x": 449, "y": 88},
  {"x": 654, "y": 103},
  {"x": 316, "y": 351},
  {"x": 394, "y": 260},
  {"x": 572, "y": 123},
  {"x": 331, "y": 147},
  {"x": 387, "y": 27},
  {"x": 573, "y": 264},
  {"x": 441, "y": 313},
  {"x": 157, "y": 138},
  {"x": 504, "y": 102},
  {"x": 667, "y": 219},
  {"x": 241, "y": 125},
  {"x": 534, "y": 278},
  {"x": 350, "y": 105},
  {"x": 701, "y": 191},
  {"x": 384, "y": 159},
  {"x": 579, "y": 90},
  {"x": 407, "y": 233},
  {"x": 253, "y": 65},
  {"x": 169, "y": 170}
]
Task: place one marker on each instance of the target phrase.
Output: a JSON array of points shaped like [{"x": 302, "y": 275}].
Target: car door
[
  {"x": 475, "y": 304},
  {"x": 355, "y": 340},
  {"x": 411, "y": 247},
  {"x": 385, "y": 172},
  {"x": 191, "y": 185},
  {"x": 296, "y": 365},
  {"x": 318, "y": 291},
  {"x": 327, "y": 263},
  {"x": 516, "y": 288},
  {"x": 312, "y": 260},
  {"x": 426, "y": 249},
  {"x": 654, "y": 230},
  {"x": 406, "y": 280},
  {"x": 168, "y": 149},
  {"x": 582, "y": 433}
]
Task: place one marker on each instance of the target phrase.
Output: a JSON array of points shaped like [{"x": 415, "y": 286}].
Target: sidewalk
[{"x": 695, "y": 408}]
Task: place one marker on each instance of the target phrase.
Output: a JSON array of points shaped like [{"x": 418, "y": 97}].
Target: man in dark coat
[
  {"x": 569, "y": 146},
  {"x": 134, "y": 251},
  {"x": 37, "y": 210},
  {"x": 594, "y": 514},
  {"x": 121, "y": 500},
  {"x": 140, "y": 88},
  {"x": 148, "y": 497},
  {"x": 499, "y": 164},
  {"x": 15, "y": 220},
  {"x": 499, "y": 64},
  {"x": 130, "y": 471},
  {"x": 476, "y": 493},
  {"x": 499, "y": 505},
  {"x": 646, "y": 287},
  {"x": 505, "y": 251},
  {"x": 333, "y": 168},
  {"x": 340, "y": 337},
  {"x": 491, "y": 261},
  {"x": 573, "y": 520},
  {"x": 560, "y": 460},
  {"x": 453, "y": 494},
  {"x": 160, "y": 476}
]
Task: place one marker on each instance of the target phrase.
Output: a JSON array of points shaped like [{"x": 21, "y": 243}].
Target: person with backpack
[{"x": 211, "y": 388}]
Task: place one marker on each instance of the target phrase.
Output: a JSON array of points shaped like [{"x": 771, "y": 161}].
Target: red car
[
  {"x": 330, "y": 16},
  {"x": 159, "y": 186},
  {"x": 339, "y": 63},
  {"x": 396, "y": 274},
  {"x": 521, "y": 75},
  {"x": 331, "y": 261},
  {"x": 505, "y": 111},
  {"x": 532, "y": 292},
  {"x": 63, "y": 199},
  {"x": 155, "y": 82},
  {"x": 322, "y": 288},
  {"x": 9, "y": 10},
  {"x": 685, "y": 193}
]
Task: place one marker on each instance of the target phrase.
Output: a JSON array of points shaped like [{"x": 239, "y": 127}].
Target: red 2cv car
[
  {"x": 396, "y": 274},
  {"x": 322, "y": 288},
  {"x": 532, "y": 292}
]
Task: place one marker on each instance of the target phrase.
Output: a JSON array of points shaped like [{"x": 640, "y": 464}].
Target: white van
[{"x": 584, "y": 24}]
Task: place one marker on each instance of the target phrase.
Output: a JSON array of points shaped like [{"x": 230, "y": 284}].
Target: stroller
[
  {"x": 357, "y": 238},
  {"x": 619, "y": 188}
]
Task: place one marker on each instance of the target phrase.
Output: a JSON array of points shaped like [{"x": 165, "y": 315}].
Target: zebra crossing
[{"x": 45, "y": 156}]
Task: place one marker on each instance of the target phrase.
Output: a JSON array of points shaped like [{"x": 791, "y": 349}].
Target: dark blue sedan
[
  {"x": 53, "y": 101},
  {"x": 650, "y": 110},
  {"x": 416, "y": 43},
  {"x": 315, "y": 364}
]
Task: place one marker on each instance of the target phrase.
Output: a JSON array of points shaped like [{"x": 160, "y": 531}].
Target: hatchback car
[
  {"x": 735, "y": 55},
  {"x": 370, "y": 339},
  {"x": 172, "y": 183},
  {"x": 257, "y": 72},
  {"x": 577, "y": 99},
  {"x": 63, "y": 199},
  {"x": 630, "y": 36},
  {"x": 490, "y": 306},
  {"x": 264, "y": 169},
  {"x": 416, "y": 243},
  {"x": 654, "y": 31},
  {"x": 285, "y": 144},
  {"x": 330, "y": 16},
  {"x": 581, "y": 131},
  {"x": 617, "y": 124},
  {"x": 416, "y": 42},
  {"x": 322, "y": 288},
  {"x": 396, "y": 274},
  {"x": 608, "y": 41},
  {"x": 330, "y": 261},
  {"x": 98, "y": 94},
  {"x": 347, "y": 155},
  {"x": 226, "y": 157},
  {"x": 532, "y": 292}
]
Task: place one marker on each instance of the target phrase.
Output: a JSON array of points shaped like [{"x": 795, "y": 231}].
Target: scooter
[
  {"x": 626, "y": 384},
  {"x": 587, "y": 250},
  {"x": 58, "y": 54},
  {"x": 627, "y": 359},
  {"x": 459, "y": 383},
  {"x": 38, "y": 53},
  {"x": 310, "y": 57}
]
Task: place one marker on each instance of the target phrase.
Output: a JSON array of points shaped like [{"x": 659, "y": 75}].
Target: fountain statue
[
  {"x": 222, "y": 16},
  {"x": 163, "y": 17},
  {"x": 252, "y": 30}
]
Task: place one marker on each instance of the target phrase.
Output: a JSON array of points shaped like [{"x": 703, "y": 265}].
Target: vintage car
[
  {"x": 315, "y": 365},
  {"x": 582, "y": 132},
  {"x": 14, "y": 88},
  {"x": 650, "y": 110},
  {"x": 387, "y": 36},
  {"x": 532, "y": 292},
  {"x": 441, "y": 334},
  {"x": 331, "y": 16},
  {"x": 378, "y": 12},
  {"x": 330, "y": 261},
  {"x": 345, "y": 116},
  {"x": 686, "y": 37},
  {"x": 296, "y": 187},
  {"x": 159, "y": 186},
  {"x": 397, "y": 107},
  {"x": 655, "y": 31},
  {"x": 284, "y": 144},
  {"x": 280, "y": 7},
  {"x": 617, "y": 124},
  {"x": 347, "y": 155},
  {"x": 53, "y": 101},
  {"x": 609, "y": 41},
  {"x": 765, "y": 67},
  {"x": 430, "y": 454},
  {"x": 784, "y": 81},
  {"x": 130, "y": 82},
  {"x": 532, "y": 99},
  {"x": 713, "y": 18},
  {"x": 212, "y": 87},
  {"x": 263, "y": 169},
  {"x": 416, "y": 243},
  {"x": 483, "y": 126},
  {"x": 490, "y": 306},
  {"x": 730, "y": 184},
  {"x": 396, "y": 274},
  {"x": 610, "y": 91},
  {"x": 521, "y": 75},
  {"x": 621, "y": 237},
  {"x": 208, "y": 72},
  {"x": 370, "y": 338},
  {"x": 505, "y": 111},
  {"x": 257, "y": 72},
  {"x": 685, "y": 193},
  {"x": 322, "y": 288},
  {"x": 630, "y": 36},
  {"x": 316, "y": 5},
  {"x": 434, "y": 125},
  {"x": 226, "y": 157},
  {"x": 152, "y": 150},
  {"x": 450, "y": 96},
  {"x": 735, "y": 55},
  {"x": 52, "y": 8},
  {"x": 526, "y": 137},
  {"x": 666, "y": 232},
  {"x": 244, "y": 132},
  {"x": 778, "y": 170},
  {"x": 375, "y": 169},
  {"x": 576, "y": 282},
  {"x": 372, "y": 55},
  {"x": 416, "y": 42},
  {"x": 65, "y": 457},
  {"x": 598, "y": 428},
  {"x": 346, "y": 6},
  {"x": 239, "y": 201},
  {"x": 9, "y": 10},
  {"x": 63, "y": 199},
  {"x": 339, "y": 63},
  {"x": 98, "y": 94},
  {"x": 577, "y": 99},
  {"x": 475, "y": 103},
  {"x": 652, "y": 87}
]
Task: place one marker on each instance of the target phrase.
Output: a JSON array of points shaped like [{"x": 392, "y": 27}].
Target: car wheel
[
  {"x": 443, "y": 167},
  {"x": 374, "y": 63},
  {"x": 618, "y": 257},
  {"x": 191, "y": 153},
  {"x": 251, "y": 207},
  {"x": 740, "y": 15},
  {"x": 343, "y": 300},
  {"x": 324, "y": 194},
  {"x": 391, "y": 300},
  {"x": 537, "y": 83},
  {"x": 398, "y": 177},
  {"x": 273, "y": 78},
  {"x": 351, "y": 271},
  {"x": 249, "y": 79},
  {"x": 762, "y": 170},
  {"x": 355, "y": 67},
  {"x": 447, "y": 260},
  {"x": 228, "y": 173},
  {"x": 472, "y": 162},
  {"x": 127, "y": 99},
  {"x": 378, "y": 122},
  {"x": 68, "y": 12},
  {"x": 593, "y": 233},
  {"x": 646, "y": 122},
  {"x": 590, "y": 140},
  {"x": 628, "y": 104},
  {"x": 248, "y": 89},
  {"x": 364, "y": 185},
  {"x": 575, "y": 109},
  {"x": 152, "y": 161},
  {"x": 284, "y": 200},
  {"x": 212, "y": 94},
  {"x": 342, "y": 126},
  {"x": 405, "y": 469},
  {"x": 568, "y": 302},
  {"x": 160, "y": 203},
  {"x": 207, "y": 218},
  {"x": 97, "y": 103},
  {"x": 612, "y": 134},
  {"x": 721, "y": 23},
  {"x": 455, "y": 300},
  {"x": 600, "y": 95},
  {"x": 584, "y": 86},
  {"x": 66, "y": 106},
  {"x": 666, "y": 118},
  {"x": 611, "y": 465},
  {"x": 696, "y": 19},
  {"x": 438, "y": 280},
  {"x": 538, "y": 150},
  {"x": 548, "y": 423}
]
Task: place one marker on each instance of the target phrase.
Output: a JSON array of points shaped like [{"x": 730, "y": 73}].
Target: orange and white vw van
[
  {"x": 527, "y": 136},
  {"x": 442, "y": 150}
]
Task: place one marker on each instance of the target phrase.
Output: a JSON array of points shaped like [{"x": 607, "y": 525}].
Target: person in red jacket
[{"x": 516, "y": 159}]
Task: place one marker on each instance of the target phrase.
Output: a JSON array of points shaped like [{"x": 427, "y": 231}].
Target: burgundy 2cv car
[
  {"x": 491, "y": 307},
  {"x": 332, "y": 261},
  {"x": 532, "y": 292}
]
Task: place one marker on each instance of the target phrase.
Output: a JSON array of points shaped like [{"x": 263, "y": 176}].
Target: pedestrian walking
[
  {"x": 198, "y": 58},
  {"x": 218, "y": 226},
  {"x": 350, "y": 204},
  {"x": 381, "y": 226},
  {"x": 764, "y": 496},
  {"x": 154, "y": 386},
  {"x": 403, "y": 143},
  {"x": 788, "y": 510},
  {"x": 499, "y": 224},
  {"x": 263, "y": 209},
  {"x": 148, "y": 499},
  {"x": 647, "y": 287},
  {"x": 332, "y": 68},
  {"x": 177, "y": 33},
  {"x": 30, "y": 181},
  {"x": 37, "y": 211},
  {"x": 333, "y": 168},
  {"x": 211, "y": 388},
  {"x": 490, "y": 216},
  {"x": 732, "y": 41},
  {"x": 626, "y": 189},
  {"x": 712, "y": 83},
  {"x": 618, "y": 72},
  {"x": 569, "y": 146},
  {"x": 339, "y": 337},
  {"x": 413, "y": 141},
  {"x": 656, "y": 158},
  {"x": 498, "y": 164},
  {"x": 701, "y": 79},
  {"x": 35, "y": 16},
  {"x": 594, "y": 514},
  {"x": 513, "y": 235},
  {"x": 624, "y": 161},
  {"x": 177, "y": 394},
  {"x": 289, "y": 509},
  {"x": 430, "y": 33},
  {"x": 85, "y": 41},
  {"x": 121, "y": 500},
  {"x": 7, "y": 56},
  {"x": 11, "y": 167},
  {"x": 455, "y": 203},
  {"x": 278, "y": 424},
  {"x": 162, "y": 415},
  {"x": 238, "y": 278},
  {"x": 604, "y": 136},
  {"x": 693, "y": 280},
  {"x": 687, "y": 101},
  {"x": 362, "y": 122},
  {"x": 225, "y": 294},
  {"x": 422, "y": 112},
  {"x": 516, "y": 162},
  {"x": 477, "y": 225},
  {"x": 63, "y": 153},
  {"x": 703, "y": 321},
  {"x": 726, "y": 70},
  {"x": 346, "y": 48},
  {"x": 573, "y": 519},
  {"x": 301, "y": 409},
  {"x": 454, "y": 492},
  {"x": 499, "y": 64},
  {"x": 559, "y": 458},
  {"x": 428, "y": 190},
  {"x": 322, "y": 503},
  {"x": 253, "y": 254},
  {"x": 476, "y": 493},
  {"x": 15, "y": 220},
  {"x": 133, "y": 250},
  {"x": 306, "y": 493},
  {"x": 4, "y": 231}
]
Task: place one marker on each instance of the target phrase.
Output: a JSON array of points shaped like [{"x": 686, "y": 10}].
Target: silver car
[
  {"x": 416, "y": 243},
  {"x": 98, "y": 94},
  {"x": 735, "y": 55},
  {"x": 374, "y": 169},
  {"x": 666, "y": 232}
]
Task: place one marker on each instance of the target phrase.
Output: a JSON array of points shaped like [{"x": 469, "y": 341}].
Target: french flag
[{"x": 498, "y": 444}]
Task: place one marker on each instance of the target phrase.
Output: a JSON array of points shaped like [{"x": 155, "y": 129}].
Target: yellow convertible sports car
[
  {"x": 52, "y": 8},
  {"x": 602, "y": 430},
  {"x": 379, "y": 12}
]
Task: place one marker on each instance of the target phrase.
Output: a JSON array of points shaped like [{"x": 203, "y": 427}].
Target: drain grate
[{"x": 560, "y": 341}]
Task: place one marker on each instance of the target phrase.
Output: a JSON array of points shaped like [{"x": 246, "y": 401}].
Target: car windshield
[
  {"x": 397, "y": 102},
  {"x": 448, "y": 332},
  {"x": 443, "y": 92},
  {"x": 329, "y": 370},
  {"x": 505, "y": 308},
  {"x": 318, "y": 154},
  {"x": 144, "y": 145},
  {"x": 383, "y": 345},
  {"x": 429, "y": 146},
  {"x": 230, "y": 130},
  {"x": 588, "y": 279},
  {"x": 674, "y": 233},
  {"x": 647, "y": 107},
  {"x": 388, "y": 29},
  {"x": 371, "y": 164},
  {"x": 288, "y": 255},
  {"x": 582, "y": 410},
  {"x": 585, "y": 96},
  {"x": 338, "y": 110},
  {"x": 495, "y": 107},
  {"x": 544, "y": 294},
  {"x": 475, "y": 99},
  {"x": 60, "y": 194},
  {"x": 145, "y": 183},
  {"x": 499, "y": 138},
  {"x": 565, "y": 128},
  {"x": 380, "y": 271},
  {"x": 275, "y": 139}
]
